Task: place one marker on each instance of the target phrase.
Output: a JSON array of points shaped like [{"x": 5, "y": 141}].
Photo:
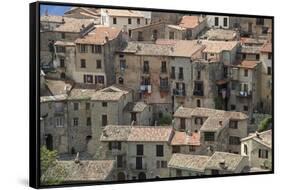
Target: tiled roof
[
  {"x": 224, "y": 161},
  {"x": 179, "y": 48},
  {"x": 189, "y": 21},
  {"x": 123, "y": 13},
  {"x": 183, "y": 138},
  {"x": 218, "y": 46},
  {"x": 57, "y": 87},
  {"x": 267, "y": 47},
  {"x": 116, "y": 133},
  {"x": 184, "y": 112},
  {"x": 248, "y": 64},
  {"x": 84, "y": 11},
  {"x": 81, "y": 93},
  {"x": 150, "y": 134},
  {"x": 135, "y": 106},
  {"x": 220, "y": 34},
  {"x": 111, "y": 93},
  {"x": 74, "y": 25},
  {"x": 264, "y": 138},
  {"x": 215, "y": 122},
  {"x": 98, "y": 35},
  {"x": 85, "y": 170},
  {"x": 188, "y": 162}
]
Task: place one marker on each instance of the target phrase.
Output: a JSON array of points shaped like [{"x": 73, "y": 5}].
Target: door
[{"x": 138, "y": 163}]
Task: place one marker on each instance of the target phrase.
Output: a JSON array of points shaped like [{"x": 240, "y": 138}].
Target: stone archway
[{"x": 121, "y": 176}]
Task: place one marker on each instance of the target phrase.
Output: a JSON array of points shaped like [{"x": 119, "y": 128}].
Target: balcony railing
[
  {"x": 178, "y": 92},
  {"x": 198, "y": 93},
  {"x": 242, "y": 93}
]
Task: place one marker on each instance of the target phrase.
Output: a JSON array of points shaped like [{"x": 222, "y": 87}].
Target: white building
[{"x": 218, "y": 21}]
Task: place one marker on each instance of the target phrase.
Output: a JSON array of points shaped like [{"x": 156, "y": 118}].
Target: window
[
  {"x": 198, "y": 120},
  {"x": 234, "y": 140},
  {"x": 198, "y": 103},
  {"x": 232, "y": 107},
  {"x": 129, "y": 21},
  {"x": 245, "y": 147},
  {"x": 260, "y": 21},
  {"x": 159, "y": 150},
  {"x": 96, "y": 48},
  {"x": 216, "y": 21},
  {"x": 225, "y": 22},
  {"x": 163, "y": 67},
  {"x": 133, "y": 116},
  {"x": 245, "y": 72},
  {"x": 88, "y": 79},
  {"x": 104, "y": 104},
  {"x": 182, "y": 123},
  {"x": 173, "y": 72},
  {"x": 192, "y": 148},
  {"x": 258, "y": 57},
  {"x": 59, "y": 122},
  {"x": 178, "y": 173},
  {"x": 139, "y": 149},
  {"x": 114, "y": 145},
  {"x": 263, "y": 153},
  {"x": 122, "y": 64},
  {"x": 268, "y": 70},
  {"x": 146, "y": 21},
  {"x": 245, "y": 108},
  {"x": 163, "y": 164},
  {"x": 164, "y": 83},
  {"x": 198, "y": 75},
  {"x": 99, "y": 79},
  {"x": 155, "y": 34},
  {"x": 138, "y": 20},
  {"x": 75, "y": 121},
  {"x": 176, "y": 149},
  {"x": 114, "y": 20},
  {"x": 82, "y": 48},
  {"x": 119, "y": 161},
  {"x": 63, "y": 35},
  {"x": 88, "y": 105},
  {"x": 104, "y": 120},
  {"x": 83, "y": 63},
  {"x": 198, "y": 88},
  {"x": 181, "y": 73},
  {"x": 145, "y": 67},
  {"x": 62, "y": 62},
  {"x": 75, "y": 106},
  {"x": 209, "y": 136},
  {"x": 171, "y": 35},
  {"x": 98, "y": 64},
  {"x": 60, "y": 49},
  {"x": 269, "y": 56},
  {"x": 88, "y": 122},
  {"x": 130, "y": 33},
  {"x": 140, "y": 38},
  {"x": 233, "y": 124}
]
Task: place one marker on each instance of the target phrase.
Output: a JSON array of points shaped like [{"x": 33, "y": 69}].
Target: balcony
[
  {"x": 178, "y": 92},
  {"x": 244, "y": 94},
  {"x": 198, "y": 93}
]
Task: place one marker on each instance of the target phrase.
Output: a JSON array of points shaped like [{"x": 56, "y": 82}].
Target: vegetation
[
  {"x": 51, "y": 172},
  {"x": 165, "y": 120},
  {"x": 265, "y": 124}
]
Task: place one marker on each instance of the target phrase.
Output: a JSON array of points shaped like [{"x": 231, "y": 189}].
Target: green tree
[
  {"x": 51, "y": 172},
  {"x": 165, "y": 120},
  {"x": 264, "y": 124}
]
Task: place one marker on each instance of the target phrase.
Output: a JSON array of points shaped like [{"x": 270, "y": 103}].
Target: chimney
[{"x": 77, "y": 160}]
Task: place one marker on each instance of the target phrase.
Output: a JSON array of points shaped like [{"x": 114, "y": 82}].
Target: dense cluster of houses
[{"x": 137, "y": 95}]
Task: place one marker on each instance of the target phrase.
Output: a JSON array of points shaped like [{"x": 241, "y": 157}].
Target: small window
[
  {"x": 75, "y": 121},
  {"x": 234, "y": 140},
  {"x": 129, "y": 21},
  {"x": 159, "y": 150},
  {"x": 176, "y": 149},
  {"x": 245, "y": 108},
  {"x": 89, "y": 123},
  {"x": 63, "y": 35},
  {"x": 198, "y": 120},
  {"x": 88, "y": 79},
  {"x": 225, "y": 22},
  {"x": 82, "y": 48},
  {"x": 62, "y": 63},
  {"x": 192, "y": 148},
  {"x": 88, "y": 105},
  {"x": 114, "y": 20},
  {"x": 83, "y": 63},
  {"x": 232, "y": 107},
  {"x": 104, "y": 120},
  {"x": 258, "y": 57},
  {"x": 233, "y": 124},
  {"x": 269, "y": 56},
  {"x": 163, "y": 164},
  {"x": 96, "y": 49},
  {"x": 268, "y": 70},
  {"x": 104, "y": 104},
  {"x": 216, "y": 21},
  {"x": 209, "y": 136},
  {"x": 75, "y": 106},
  {"x": 171, "y": 35},
  {"x": 163, "y": 67},
  {"x": 198, "y": 103},
  {"x": 245, "y": 149},
  {"x": 139, "y": 149},
  {"x": 138, "y": 20},
  {"x": 98, "y": 62},
  {"x": 245, "y": 72},
  {"x": 263, "y": 153}
]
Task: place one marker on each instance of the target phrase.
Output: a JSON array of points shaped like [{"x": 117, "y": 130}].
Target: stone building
[
  {"x": 141, "y": 152},
  {"x": 188, "y": 28},
  {"x": 215, "y": 21},
  {"x": 94, "y": 55},
  {"x": 210, "y": 130},
  {"x": 171, "y": 18},
  {"x": 266, "y": 78},
  {"x": 220, "y": 35},
  {"x": 124, "y": 20},
  {"x": 258, "y": 147},
  {"x": 245, "y": 87}
]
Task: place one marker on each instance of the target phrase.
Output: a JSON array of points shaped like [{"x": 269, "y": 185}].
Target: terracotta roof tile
[
  {"x": 267, "y": 47},
  {"x": 189, "y": 21}
]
